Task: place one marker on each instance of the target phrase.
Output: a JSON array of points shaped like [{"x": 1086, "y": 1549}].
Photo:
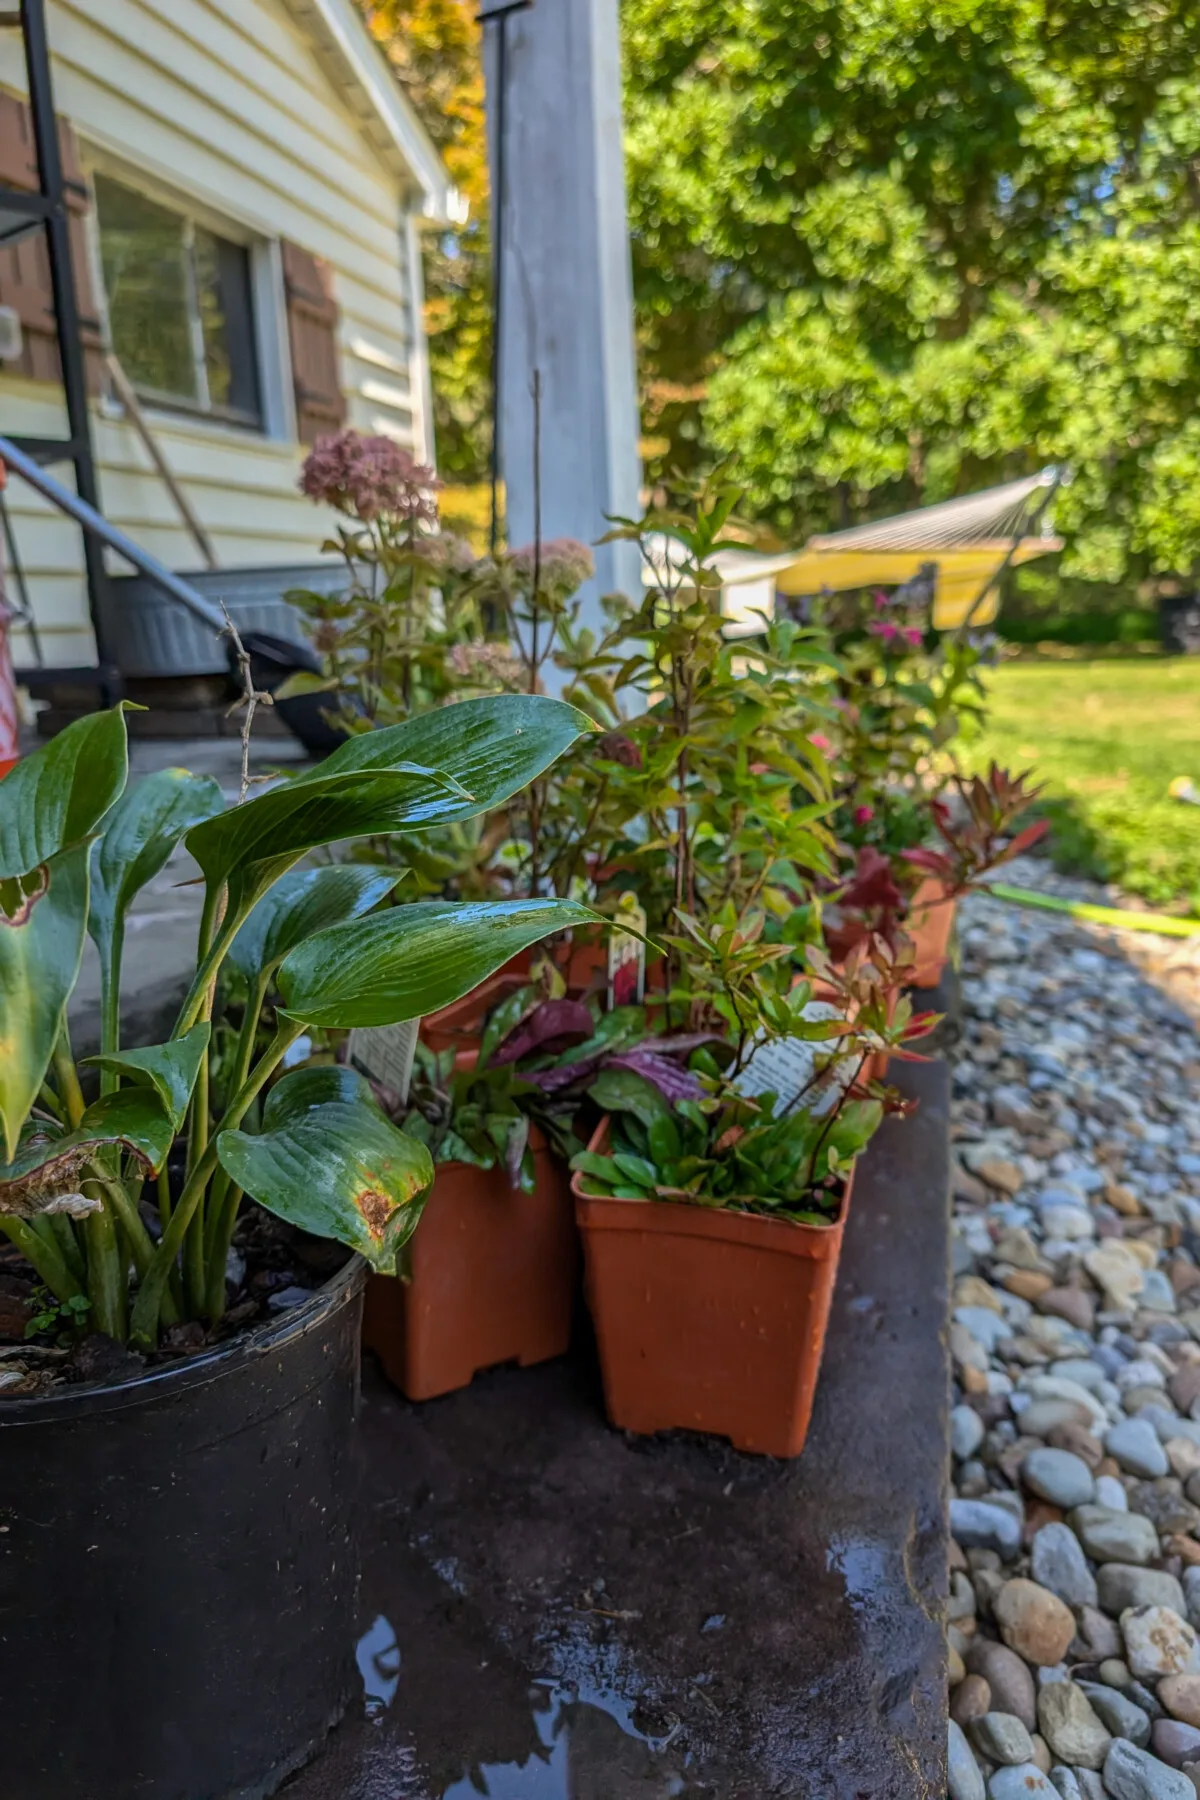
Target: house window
[{"x": 179, "y": 305}]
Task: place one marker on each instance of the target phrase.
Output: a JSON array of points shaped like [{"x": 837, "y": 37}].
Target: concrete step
[{"x": 552, "y": 1611}]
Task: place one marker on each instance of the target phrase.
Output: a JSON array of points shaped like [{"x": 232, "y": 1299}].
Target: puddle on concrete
[
  {"x": 866, "y": 1569},
  {"x": 378, "y": 1656},
  {"x": 589, "y": 1744},
  {"x": 586, "y": 1739}
]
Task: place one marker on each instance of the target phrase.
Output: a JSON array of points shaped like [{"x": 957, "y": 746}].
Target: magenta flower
[
  {"x": 884, "y": 629},
  {"x": 880, "y": 599},
  {"x": 914, "y": 636},
  {"x": 369, "y": 478},
  {"x": 863, "y": 815}
]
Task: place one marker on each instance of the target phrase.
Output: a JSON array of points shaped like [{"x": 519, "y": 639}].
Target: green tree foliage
[
  {"x": 887, "y": 250},
  {"x": 434, "y": 47},
  {"x": 884, "y": 251}
]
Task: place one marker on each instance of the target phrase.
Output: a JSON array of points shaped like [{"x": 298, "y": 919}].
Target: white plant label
[
  {"x": 787, "y": 1067},
  {"x": 385, "y": 1054}
]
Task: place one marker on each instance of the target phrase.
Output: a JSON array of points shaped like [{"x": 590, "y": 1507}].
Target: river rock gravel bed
[{"x": 1074, "y": 1601}]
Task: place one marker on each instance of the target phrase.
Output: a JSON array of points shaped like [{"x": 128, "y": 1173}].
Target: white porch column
[{"x": 566, "y": 302}]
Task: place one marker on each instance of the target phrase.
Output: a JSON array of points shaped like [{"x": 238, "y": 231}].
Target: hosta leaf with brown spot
[
  {"x": 51, "y": 1162},
  {"x": 329, "y": 1162}
]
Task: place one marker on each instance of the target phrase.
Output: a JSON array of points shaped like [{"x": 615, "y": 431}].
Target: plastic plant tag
[
  {"x": 787, "y": 1067},
  {"x": 384, "y": 1053},
  {"x": 627, "y": 955}
]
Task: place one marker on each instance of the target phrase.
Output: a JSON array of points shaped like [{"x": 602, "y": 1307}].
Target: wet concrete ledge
[{"x": 553, "y": 1611}]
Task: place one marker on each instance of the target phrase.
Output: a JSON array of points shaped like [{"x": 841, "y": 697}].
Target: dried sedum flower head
[
  {"x": 369, "y": 478},
  {"x": 493, "y": 665},
  {"x": 565, "y": 565},
  {"x": 449, "y": 554}
]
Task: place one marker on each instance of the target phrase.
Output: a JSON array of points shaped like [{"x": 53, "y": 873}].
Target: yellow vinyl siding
[{"x": 223, "y": 103}]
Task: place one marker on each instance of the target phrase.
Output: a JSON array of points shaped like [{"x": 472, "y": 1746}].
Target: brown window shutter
[
  {"x": 25, "y": 266},
  {"x": 312, "y": 316},
  {"x": 18, "y": 158}
]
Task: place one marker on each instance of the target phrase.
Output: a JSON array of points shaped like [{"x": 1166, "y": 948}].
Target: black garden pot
[{"x": 179, "y": 1568}]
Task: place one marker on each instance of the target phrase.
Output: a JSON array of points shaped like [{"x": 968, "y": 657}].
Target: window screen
[{"x": 180, "y": 305}]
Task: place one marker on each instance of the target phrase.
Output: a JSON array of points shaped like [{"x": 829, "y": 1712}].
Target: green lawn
[{"x": 1107, "y": 738}]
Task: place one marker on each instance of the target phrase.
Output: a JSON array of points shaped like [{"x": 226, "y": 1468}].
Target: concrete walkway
[{"x": 554, "y": 1611}]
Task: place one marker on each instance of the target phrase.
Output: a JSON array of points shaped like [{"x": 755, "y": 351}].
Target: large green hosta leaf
[
  {"x": 251, "y": 846},
  {"x": 41, "y": 947},
  {"x": 169, "y": 1070},
  {"x": 495, "y": 746},
  {"x": 56, "y": 796},
  {"x": 437, "y": 769},
  {"x": 411, "y": 960},
  {"x": 141, "y": 831},
  {"x": 51, "y": 1162},
  {"x": 328, "y": 1161},
  {"x": 303, "y": 902}
]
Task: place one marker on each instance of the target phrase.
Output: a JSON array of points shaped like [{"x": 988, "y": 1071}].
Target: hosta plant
[{"x": 122, "y": 1179}]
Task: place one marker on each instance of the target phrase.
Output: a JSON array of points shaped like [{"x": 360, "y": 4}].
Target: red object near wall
[{"x": 9, "y": 716}]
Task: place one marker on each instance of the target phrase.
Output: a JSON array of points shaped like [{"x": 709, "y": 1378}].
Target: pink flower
[
  {"x": 880, "y": 599},
  {"x": 369, "y": 477},
  {"x": 882, "y": 628},
  {"x": 914, "y": 636},
  {"x": 819, "y": 741},
  {"x": 863, "y": 815}
]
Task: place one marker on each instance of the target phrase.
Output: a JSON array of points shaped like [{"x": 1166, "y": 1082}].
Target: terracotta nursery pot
[
  {"x": 708, "y": 1320},
  {"x": 493, "y": 1279},
  {"x": 460, "y": 1026},
  {"x": 929, "y": 924},
  {"x": 456, "y": 1027}
]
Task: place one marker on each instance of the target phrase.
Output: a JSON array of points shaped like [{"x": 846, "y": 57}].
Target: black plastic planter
[{"x": 179, "y": 1568}]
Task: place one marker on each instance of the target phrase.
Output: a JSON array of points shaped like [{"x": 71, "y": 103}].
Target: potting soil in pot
[{"x": 272, "y": 1268}]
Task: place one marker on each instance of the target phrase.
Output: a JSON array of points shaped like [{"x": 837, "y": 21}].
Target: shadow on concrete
[{"x": 553, "y": 1611}]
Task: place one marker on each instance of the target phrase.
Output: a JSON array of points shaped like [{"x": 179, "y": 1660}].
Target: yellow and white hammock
[{"x": 970, "y": 542}]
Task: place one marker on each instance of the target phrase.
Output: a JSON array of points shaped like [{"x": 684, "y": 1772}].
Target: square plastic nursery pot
[
  {"x": 929, "y": 924},
  {"x": 460, "y": 1025},
  {"x": 708, "y": 1320},
  {"x": 493, "y": 1279}
]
